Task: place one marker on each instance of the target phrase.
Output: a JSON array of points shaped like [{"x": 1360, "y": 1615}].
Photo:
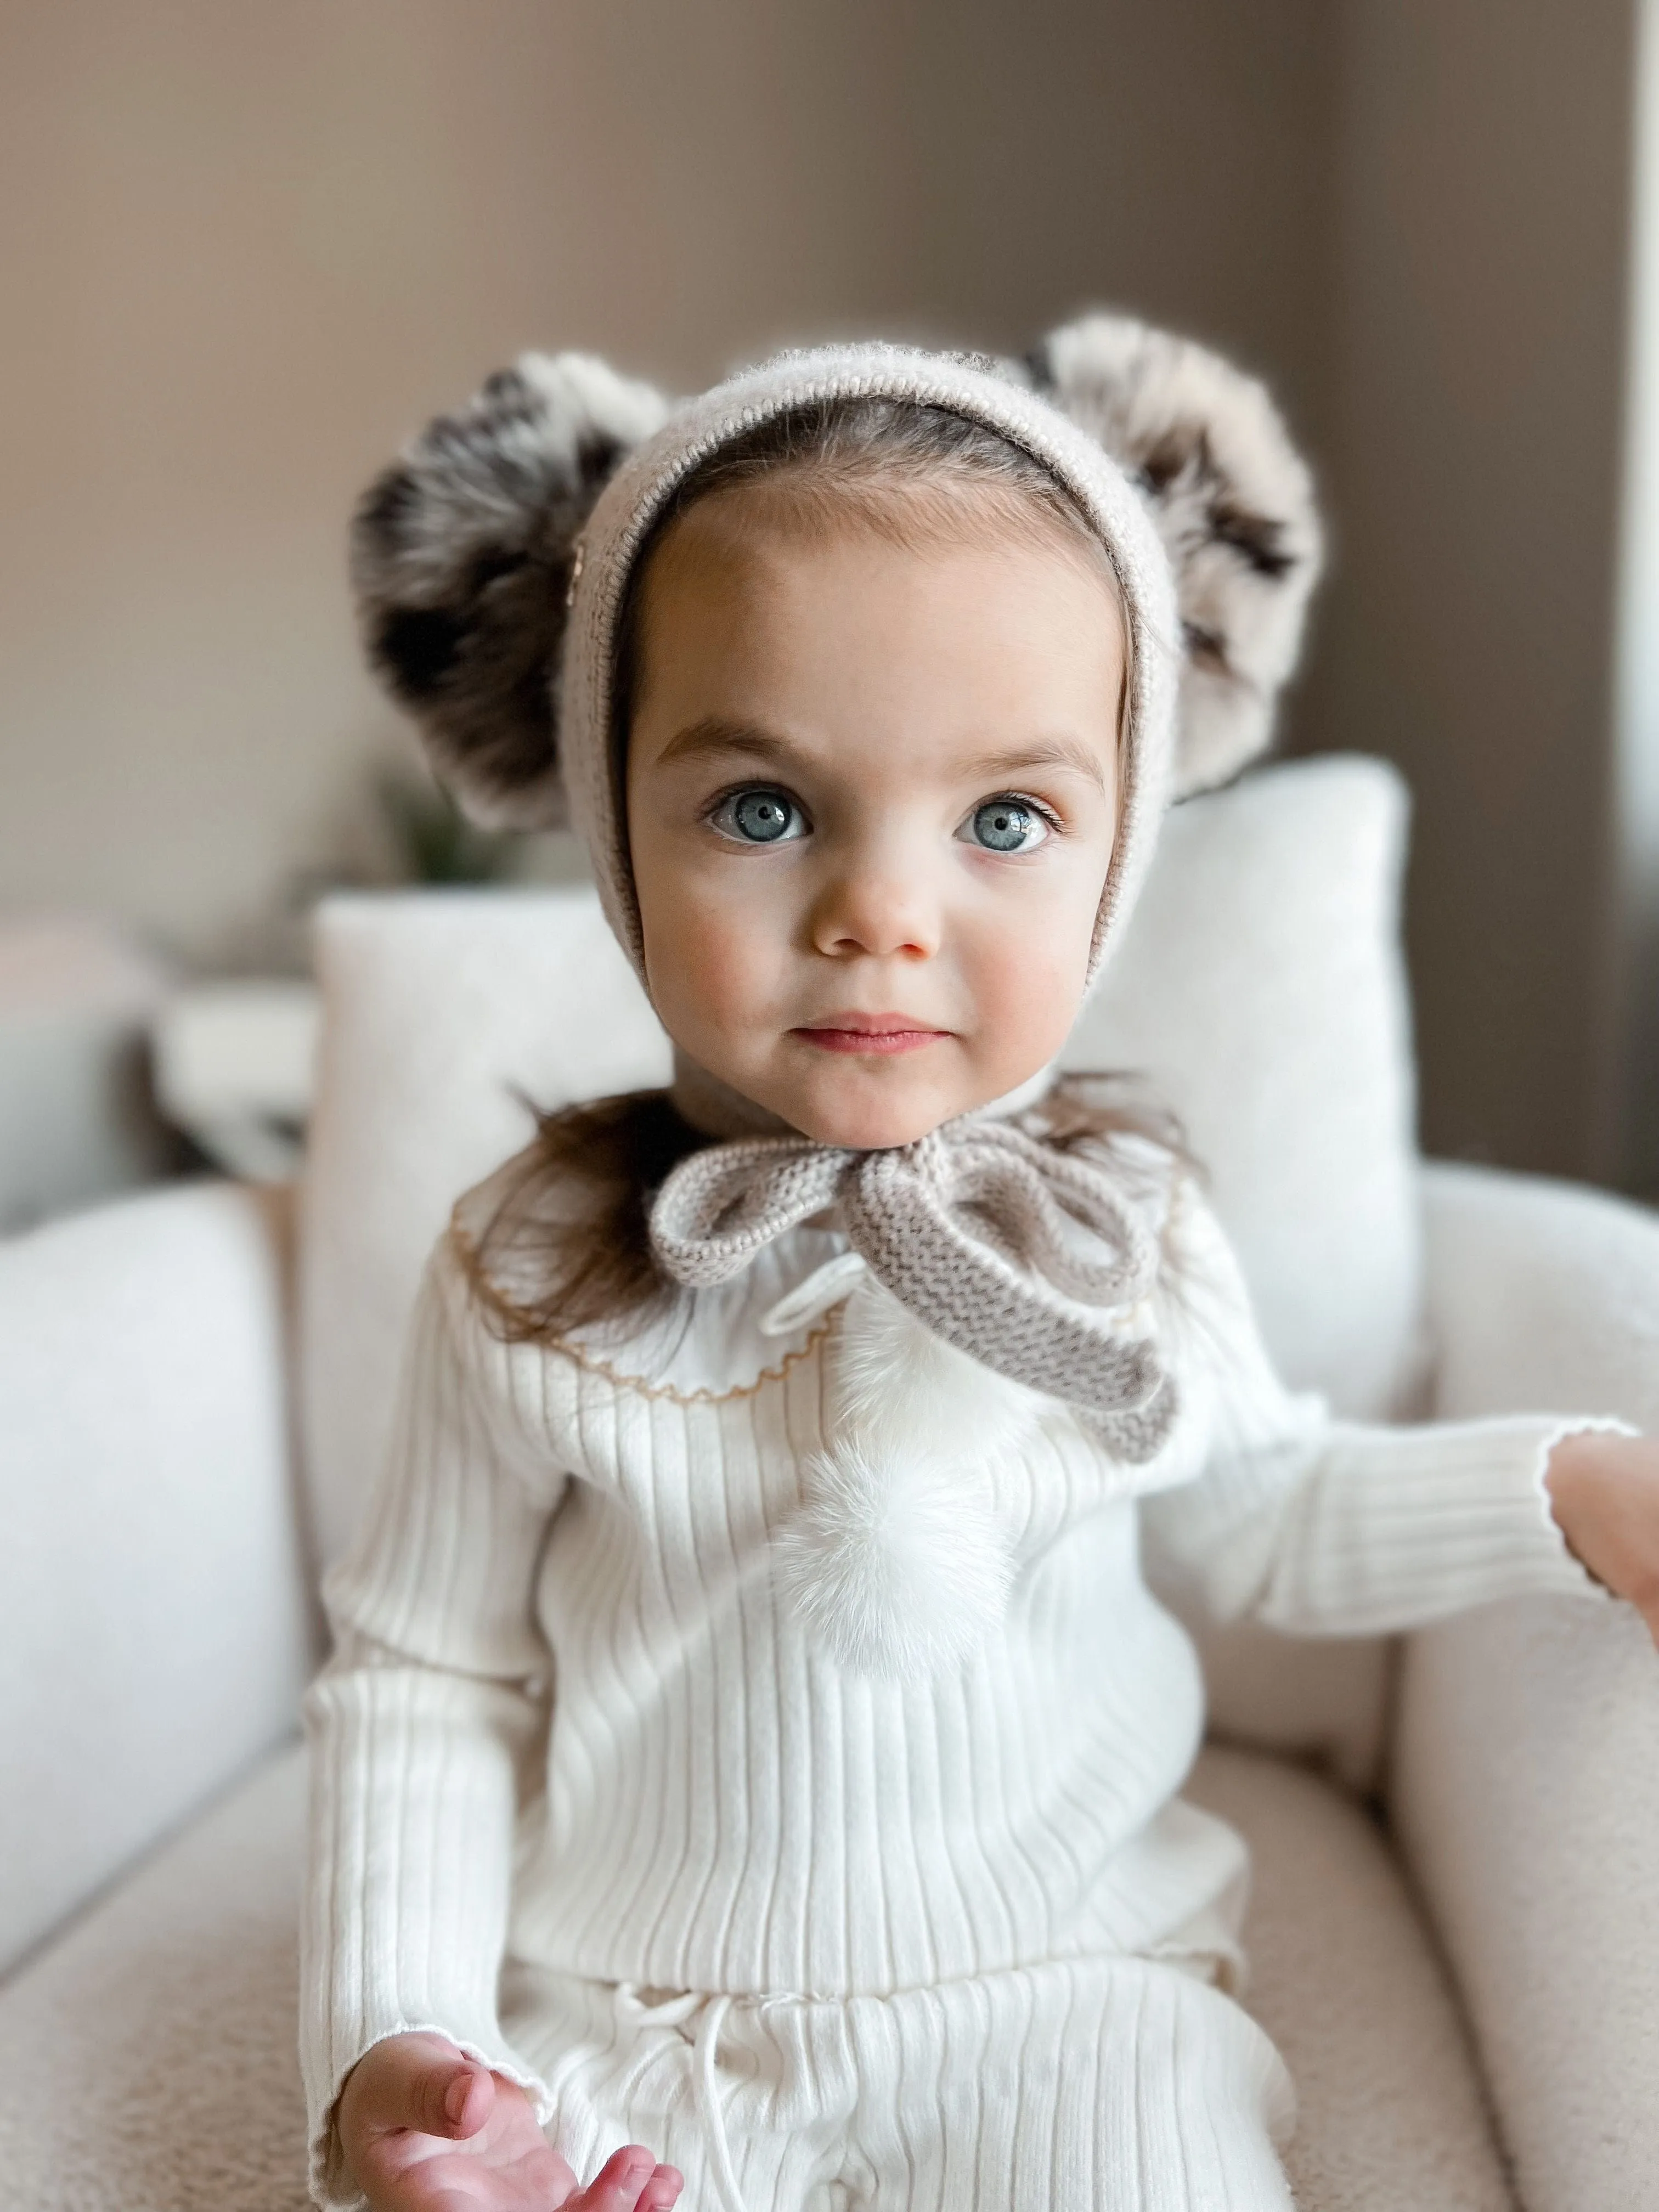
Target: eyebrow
[
  {"x": 1042, "y": 752},
  {"x": 717, "y": 733}
]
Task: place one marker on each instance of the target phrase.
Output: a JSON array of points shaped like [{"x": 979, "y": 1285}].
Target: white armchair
[{"x": 1479, "y": 1803}]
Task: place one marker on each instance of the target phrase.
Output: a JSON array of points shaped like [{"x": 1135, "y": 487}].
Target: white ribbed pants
[{"x": 1113, "y": 2085}]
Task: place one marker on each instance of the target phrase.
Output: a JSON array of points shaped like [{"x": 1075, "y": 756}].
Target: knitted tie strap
[
  {"x": 721, "y": 1204},
  {"x": 973, "y": 1229}
]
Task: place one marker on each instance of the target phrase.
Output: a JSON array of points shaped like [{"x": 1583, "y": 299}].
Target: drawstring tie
[
  {"x": 668, "y": 2009},
  {"x": 826, "y": 1286},
  {"x": 704, "y": 2054}
]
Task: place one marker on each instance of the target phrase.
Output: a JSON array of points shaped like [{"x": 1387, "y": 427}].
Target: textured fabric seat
[{"x": 148, "y": 2057}]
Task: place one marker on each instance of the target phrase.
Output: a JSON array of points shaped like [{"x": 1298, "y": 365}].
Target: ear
[
  {"x": 461, "y": 559},
  {"x": 1234, "y": 503}
]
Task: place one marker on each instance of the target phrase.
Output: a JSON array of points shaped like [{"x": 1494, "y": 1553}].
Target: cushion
[
  {"x": 443, "y": 1013},
  {"x": 148, "y": 2056},
  {"x": 1260, "y": 989},
  {"x": 156, "y": 1627}
]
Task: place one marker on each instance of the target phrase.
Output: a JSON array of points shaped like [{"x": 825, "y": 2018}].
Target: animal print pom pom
[
  {"x": 461, "y": 558},
  {"x": 1234, "y": 503}
]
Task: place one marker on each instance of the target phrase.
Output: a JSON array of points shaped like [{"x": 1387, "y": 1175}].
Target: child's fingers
[
  {"x": 630, "y": 2180},
  {"x": 468, "y": 2101},
  {"x": 452, "y": 2098},
  {"x": 436, "y": 2092},
  {"x": 398, "y": 2084}
]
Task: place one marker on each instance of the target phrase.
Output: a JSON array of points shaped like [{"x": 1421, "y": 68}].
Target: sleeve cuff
[
  {"x": 1575, "y": 1578},
  {"x": 1405, "y": 1526}
]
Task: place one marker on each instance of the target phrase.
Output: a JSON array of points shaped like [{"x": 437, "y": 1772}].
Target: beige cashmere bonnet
[{"x": 492, "y": 562}]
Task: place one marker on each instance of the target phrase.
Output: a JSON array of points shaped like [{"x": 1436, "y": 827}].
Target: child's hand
[
  {"x": 1604, "y": 1492},
  {"x": 425, "y": 2129}
]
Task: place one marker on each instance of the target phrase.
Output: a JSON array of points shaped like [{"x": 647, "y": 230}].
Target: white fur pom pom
[{"x": 893, "y": 1561}]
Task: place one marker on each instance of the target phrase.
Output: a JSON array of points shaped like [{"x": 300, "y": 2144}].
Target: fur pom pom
[
  {"x": 893, "y": 1561},
  {"x": 1234, "y": 506},
  {"x": 461, "y": 556}
]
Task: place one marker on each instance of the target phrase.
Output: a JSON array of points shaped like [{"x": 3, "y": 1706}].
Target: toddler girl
[{"x": 751, "y": 1752}]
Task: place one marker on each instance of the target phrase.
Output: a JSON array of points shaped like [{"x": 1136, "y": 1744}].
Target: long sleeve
[
  {"x": 1324, "y": 1527},
  {"x": 425, "y": 1723}
]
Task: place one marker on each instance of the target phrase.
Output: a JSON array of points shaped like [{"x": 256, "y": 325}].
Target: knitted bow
[{"x": 972, "y": 1228}]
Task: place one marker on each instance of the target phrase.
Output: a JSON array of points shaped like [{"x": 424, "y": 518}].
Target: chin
[
  {"x": 872, "y": 1122},
  {"x": 869, "y": 1132}
]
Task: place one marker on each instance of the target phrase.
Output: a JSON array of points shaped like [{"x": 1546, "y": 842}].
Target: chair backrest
[{"x": 1260, "y": 989}]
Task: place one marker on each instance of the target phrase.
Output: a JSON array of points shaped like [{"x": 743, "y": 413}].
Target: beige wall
[
  {"x": 1630, "y": 1118},
  {"x": 1481, "y": 189},
  {"x": 248, "y": 248}
]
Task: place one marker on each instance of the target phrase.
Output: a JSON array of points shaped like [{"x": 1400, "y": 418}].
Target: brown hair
[{"x": 567, "y": 1245}]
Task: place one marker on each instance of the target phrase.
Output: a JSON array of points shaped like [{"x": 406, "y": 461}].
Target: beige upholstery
[
  {"x": 1345, "y": 1980},
  {"x": 147, "y": 2057},
  {"x": 154, "y": 1628},
  {"x": 1525, "y": 1787}
]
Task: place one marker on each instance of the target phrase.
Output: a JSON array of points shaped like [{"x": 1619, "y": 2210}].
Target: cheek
[
  {"x": 1027, "y": 1003},
  {"x": 714, "y": 946},
  {"x": 1029, "y": 972}
]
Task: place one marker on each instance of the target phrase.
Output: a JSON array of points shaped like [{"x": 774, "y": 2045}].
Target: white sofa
[{"x": 1456, "y": 1922}]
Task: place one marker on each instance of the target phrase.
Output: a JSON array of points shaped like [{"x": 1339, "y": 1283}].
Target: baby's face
[{"x": 871, "y": 798}]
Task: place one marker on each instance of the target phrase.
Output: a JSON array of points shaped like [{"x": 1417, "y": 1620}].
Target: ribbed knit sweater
[{"x": 572, "y": 1718}]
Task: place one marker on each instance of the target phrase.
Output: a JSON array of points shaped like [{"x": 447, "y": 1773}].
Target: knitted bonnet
[{"x": 491, "y": 563}]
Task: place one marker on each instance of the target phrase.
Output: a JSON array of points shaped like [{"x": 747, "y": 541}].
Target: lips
[{"x": 869, "y": 1033}]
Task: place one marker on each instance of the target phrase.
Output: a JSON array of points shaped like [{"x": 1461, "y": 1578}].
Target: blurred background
[{"x": 248, "y": 250}]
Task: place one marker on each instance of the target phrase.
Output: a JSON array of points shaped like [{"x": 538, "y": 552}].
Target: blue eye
[
  {"x": 1006, "y": 825},
  {"x": 759, "y": 817}
]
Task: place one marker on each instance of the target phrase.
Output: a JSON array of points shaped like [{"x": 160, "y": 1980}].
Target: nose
[{"x": 876, "y": 901}]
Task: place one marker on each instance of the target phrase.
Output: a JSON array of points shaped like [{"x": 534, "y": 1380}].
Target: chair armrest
[
  {"x": 1524, "y": 1782},
  {"x": 154, "y": 1621},
  {"x": 1541, "y": 1297}
]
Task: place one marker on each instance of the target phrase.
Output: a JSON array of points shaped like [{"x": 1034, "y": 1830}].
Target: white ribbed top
[{"x": 571, "y": 1719}]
